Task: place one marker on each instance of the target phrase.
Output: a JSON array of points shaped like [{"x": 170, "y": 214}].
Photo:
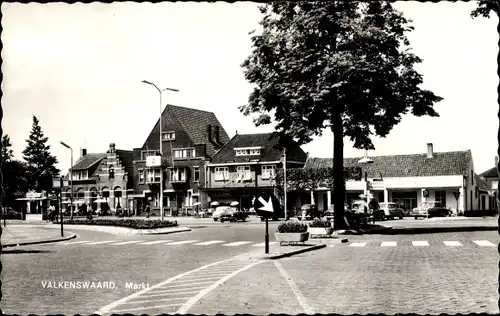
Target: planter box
[
  {"x": 320, "y": 230},
  {"x": 291, "y": 238}
]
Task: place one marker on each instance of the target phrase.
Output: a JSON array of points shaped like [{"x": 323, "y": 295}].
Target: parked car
[
  {"x": 309, "y": 211},
  {"x": 233, "y": 216},
  {"x": 358, "y": 206},
  {"x": 430, "y": 209},
  {"x": 391, "y": 210},
  {"x": 220, "y": 210},
  {"x": 329, "y": 213}
]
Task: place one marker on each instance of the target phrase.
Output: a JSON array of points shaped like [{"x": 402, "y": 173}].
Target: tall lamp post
[
  {"x": 161, "y": 143},
  {"x": 70, "y": 177}
]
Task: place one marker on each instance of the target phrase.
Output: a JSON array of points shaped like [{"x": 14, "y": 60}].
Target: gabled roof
[
  {"x": 490, "y": 173},
  {"x": 127, "y": 159},
  {"x": 88, "y": 161},
  {"x": 481, "y": 184},
  {"x": 269, "y": 152},
  {"x": 195, "y": 122},
  {"x": 416, "y": 165}
]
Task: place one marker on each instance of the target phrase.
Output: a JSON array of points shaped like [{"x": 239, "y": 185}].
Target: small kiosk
[{"x": 37, "y": 204}]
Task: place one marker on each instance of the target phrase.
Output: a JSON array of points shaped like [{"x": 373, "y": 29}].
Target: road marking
[
  {"x": 302, "y": 300},
  {"x": 208, "y": 275},
  {"x": 77, "y": 242},
  {"x": 154, "y": 242},
  {"x": 184, "y": 308},
  {"x": 100, "y": 242},
  {"x": 237, "y": 243},
  {"x": 126, "y": 242},
  {"x": 209, "y": 242},
  {"x": 484, "y": 243},
  {"x": 262, "y": 244},
  {"x": 200, "y": 278},
  {"x": 389, "y": 244},
  {"x": 114, "y": 304},
  {"x": 358, "y": 244},
  {"x": 181, "y": 242},
  {"x": 170, "y": 292},
  {"x": 158, "y": 300},
  {"x": 420, "y": 243},
  {"x": 185, "y": 284},
  {"x": 452, "y": 243},
  {"x": 149, "y": 307}
]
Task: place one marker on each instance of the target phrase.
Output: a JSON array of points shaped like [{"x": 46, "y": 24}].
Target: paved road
[
  {"x": 404, "y": 278},
  {"x": 101, "y": 257}
]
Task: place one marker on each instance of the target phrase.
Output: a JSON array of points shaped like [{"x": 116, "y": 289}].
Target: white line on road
[
  {"x": 484, "y": 243},
  {"x": 170, "y": 292},
  {"x": 114, "y": 304},
  {"x": 185, "y": 284},
  {"x": 237, "y": 243},
  {"x": 126, "y": 242},
  {"x": 100, "y": 242},
  {"x": 154, "y": 242},
  {"x": 302, "y": 300},
  {"x": 420, "y": 243},
  {"x": 149, "y": 307},
  {"x": 389, "y": 244},
  {"x": 200, "y": 278},
  {"x": 452, "y": 243},
  {"x": 77, "y": 242},
  {"x": 184, "y": 308},
  {"x": 181, "y": 242},
  {"x": 206, "y": 275},
  {"x": 358, "y": 244},
  {"x": 206, "y": 243},
  {"x": 262, "y": 244}
]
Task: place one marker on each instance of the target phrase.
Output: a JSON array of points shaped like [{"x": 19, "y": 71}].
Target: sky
[{"x": 78, "y": 68}]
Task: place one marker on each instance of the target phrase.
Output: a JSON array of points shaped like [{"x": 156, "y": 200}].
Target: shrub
[
  {"x": 292, "y": 227},
  {"x": 320, "y": 223},
  {"x": 130, "y": 223}
]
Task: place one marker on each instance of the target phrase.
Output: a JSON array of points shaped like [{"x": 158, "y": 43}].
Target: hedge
[
  {"x": 480, "y": 213},
  {"x": 130, "y": 223}
]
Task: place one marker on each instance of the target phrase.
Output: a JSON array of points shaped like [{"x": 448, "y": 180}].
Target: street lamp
[
  {"x": 364, "y": 161},
  {"x": 70, "y": 177},
  {"x": 161, "y": 143}
]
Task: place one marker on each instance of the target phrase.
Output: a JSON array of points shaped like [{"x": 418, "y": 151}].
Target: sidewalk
[{"x": 22, "y": 235}]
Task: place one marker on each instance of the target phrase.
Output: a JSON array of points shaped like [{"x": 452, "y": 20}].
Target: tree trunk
[{"x": 338, "y": 172}]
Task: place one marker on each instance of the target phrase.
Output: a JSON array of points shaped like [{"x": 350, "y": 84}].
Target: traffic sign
[{"x": 266, "y": 205}]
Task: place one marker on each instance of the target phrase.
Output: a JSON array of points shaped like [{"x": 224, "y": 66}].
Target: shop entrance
[{"x": 407, "y": 200}]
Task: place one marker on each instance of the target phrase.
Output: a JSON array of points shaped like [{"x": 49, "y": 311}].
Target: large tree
[
  {"x": 13, "y": 175},
  {"x": 40, "y": 163},
  {"x": 338, "y": 65},
  {"x": 484, "y": 8}
]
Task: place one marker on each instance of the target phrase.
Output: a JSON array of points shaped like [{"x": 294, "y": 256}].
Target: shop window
[{"x": 441, "y": 197}]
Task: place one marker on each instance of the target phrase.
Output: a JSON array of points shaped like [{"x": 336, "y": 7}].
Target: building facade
[
  {"x": 409, "y": 180},
  {"x": 245, "y": 167},
  {"x": 491, "y": 178},
  {"x": 190, "y": 137},
  {"x": 101, "y": 180}
]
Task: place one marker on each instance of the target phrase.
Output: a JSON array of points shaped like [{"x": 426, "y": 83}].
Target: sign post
[
  {"x": 60, "y": 204},
  {"x": 266, "y": 205}
]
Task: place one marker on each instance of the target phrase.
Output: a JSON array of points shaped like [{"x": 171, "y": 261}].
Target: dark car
[{"x": 430, "y": 209}]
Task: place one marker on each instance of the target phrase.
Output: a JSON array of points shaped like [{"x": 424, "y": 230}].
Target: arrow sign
[{"x": 268, "y": 206}]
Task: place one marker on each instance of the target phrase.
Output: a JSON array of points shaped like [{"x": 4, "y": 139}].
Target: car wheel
[
  {"x": 416, "y": 217},
  {"x": 401, "y": 216},
  {"x": 215, "y": 219}
]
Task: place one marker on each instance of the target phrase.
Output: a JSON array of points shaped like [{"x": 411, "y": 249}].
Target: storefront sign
[
  {"x": 376, "y": 185},
  {"x": 33, "y": 195},
  {"x": 153, "y": 161}
]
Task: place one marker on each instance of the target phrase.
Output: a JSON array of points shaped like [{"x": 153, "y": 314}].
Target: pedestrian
[{"x": 148, "y": 210}]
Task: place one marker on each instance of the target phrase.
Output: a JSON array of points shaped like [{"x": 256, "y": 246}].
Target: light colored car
[
  {"x": 222, "y": 210},
  {"x": 430, "y": 209},
  {"x": 358, "y": 207},
  {"x": 391, "y": 210}
]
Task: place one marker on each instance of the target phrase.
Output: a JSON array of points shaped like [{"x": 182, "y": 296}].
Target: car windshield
[{"x": 391, "y": 206}]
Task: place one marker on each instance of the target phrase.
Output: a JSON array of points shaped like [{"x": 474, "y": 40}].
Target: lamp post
[
  {"x": 70, "y": 177},
  {"x": 161, "y": 143}
]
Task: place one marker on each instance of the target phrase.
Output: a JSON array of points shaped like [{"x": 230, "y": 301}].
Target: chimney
[
  {"x": 496, "y": 161},
  {"x": 83, "y": 152},
  {"x": 430, "y": 151},
  {"x": 216, "y": 135},
  {"x": 111, "y": 148},
  {"x": 209, "y": 133}
]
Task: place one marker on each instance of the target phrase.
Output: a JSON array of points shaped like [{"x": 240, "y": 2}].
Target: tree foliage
[
  {"x": 346, "y": 66},
  {"x": 41, "y": 165},
  {"x": 14, "y": 183},
  {"x": 484, "y": 8}
]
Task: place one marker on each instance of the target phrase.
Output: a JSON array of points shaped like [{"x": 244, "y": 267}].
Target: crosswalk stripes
[
  {"x": 420, "y": 243},
  {"x": 389, "y": 244},
  {"x": 358, "y": 244},
  {"x": 452, "y": 243},
  {"x": 484, "y": 243},
  {"x": 237, "y": 243},
  {"x": 182, "y": 242},
  {"x": 211, "y": 242}
]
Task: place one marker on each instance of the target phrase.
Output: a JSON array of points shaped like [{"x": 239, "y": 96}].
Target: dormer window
[
  {"x": 184, "y": 153},
  {"x": 111, "y": 172},
  {"x": 168, "y": 135},
  {"x": 248, "y": 151}
]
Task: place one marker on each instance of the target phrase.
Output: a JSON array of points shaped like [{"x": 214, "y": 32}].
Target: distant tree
[
  {"x": 40, "y": 163},
  {"x": 484, "y": 8},
  {"x": 340, "y": 65},
  {"x": 13, "y": 175}
]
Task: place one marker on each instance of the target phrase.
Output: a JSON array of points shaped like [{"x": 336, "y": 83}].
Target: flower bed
[
  {"x": 292, "y": 227},
  {"x": 130, "y": 223}
]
